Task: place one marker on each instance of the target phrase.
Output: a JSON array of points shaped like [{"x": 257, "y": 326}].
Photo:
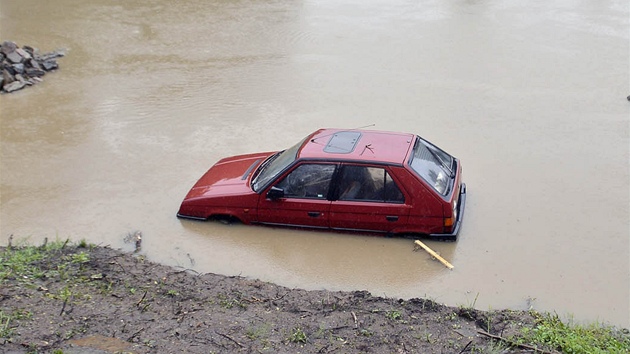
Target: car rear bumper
[{"x": 460, "y": 215}]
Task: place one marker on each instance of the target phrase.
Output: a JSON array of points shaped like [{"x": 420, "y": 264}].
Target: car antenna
[{"x": 323, "y": 136}]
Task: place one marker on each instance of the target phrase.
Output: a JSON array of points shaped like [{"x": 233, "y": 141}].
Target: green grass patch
[
  {"x": 569, "y": 338},
  {"x": 394, "y": 315},
  {"x": 80, "y": 258},
  {"x": 21, "y": 261},
  {"x": 26, "y": 263},
  {"x": 7, "y": 320},
  {"x": 297, "y": 336},
  {"x": 230, "y": 302}
]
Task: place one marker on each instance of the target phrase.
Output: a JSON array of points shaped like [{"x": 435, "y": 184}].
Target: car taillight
[{"x": 448, "y": 223}]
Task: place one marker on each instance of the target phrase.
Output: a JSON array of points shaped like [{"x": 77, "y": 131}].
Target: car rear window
[{"x": 434, "y": 165}]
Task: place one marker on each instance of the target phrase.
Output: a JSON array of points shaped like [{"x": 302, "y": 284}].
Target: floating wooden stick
[{"x": 437, "y": 256}]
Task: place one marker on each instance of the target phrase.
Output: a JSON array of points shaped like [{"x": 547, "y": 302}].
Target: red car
[{"x": 354, "y": 180}]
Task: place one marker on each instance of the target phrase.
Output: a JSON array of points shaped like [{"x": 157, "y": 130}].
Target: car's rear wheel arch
[{"x": 225, "y": 218}]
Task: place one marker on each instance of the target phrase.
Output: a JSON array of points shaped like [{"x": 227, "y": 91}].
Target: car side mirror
[{"x": 275, "y": 193}]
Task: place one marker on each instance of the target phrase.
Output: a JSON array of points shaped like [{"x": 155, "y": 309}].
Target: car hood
[{"x": 229, "y": 176}]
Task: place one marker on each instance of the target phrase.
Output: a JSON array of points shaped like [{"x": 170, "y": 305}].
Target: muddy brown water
[{"x": 530, "y": 96}]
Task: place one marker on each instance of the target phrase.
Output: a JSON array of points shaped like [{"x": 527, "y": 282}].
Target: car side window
[
  {"x": 391, "y": 192},
  {"x": 372, "y": 184},
  {"x": 308, "y": 181}
]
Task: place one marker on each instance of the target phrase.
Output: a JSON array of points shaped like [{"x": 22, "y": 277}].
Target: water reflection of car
[{"x": 352, "y": 180}]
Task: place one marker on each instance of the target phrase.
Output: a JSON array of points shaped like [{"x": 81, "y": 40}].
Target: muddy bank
[{"x": 99, "y": 300}]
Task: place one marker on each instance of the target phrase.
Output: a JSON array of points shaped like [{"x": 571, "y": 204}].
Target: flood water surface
[{"x": 530, "y": 97}]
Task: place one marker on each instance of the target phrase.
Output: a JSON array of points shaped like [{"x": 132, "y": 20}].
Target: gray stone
[
  {"x": 19, "y": 68},
  {"x": 8, "y": 47},
  {"x": 14, "y": 57},
  {"x": 24, "y": 54},
  {"x": 50, "y": 65},
  {"x": 7, "y": 76},
  {"x": 14, "y": 86},
  {"x": 35, "y": 64},
  {"x": 35, "y": 72},
  {"x": 9, "y": 68},
  {"x": 28, "y": 49},
  {"x": 51, "y": 55}
]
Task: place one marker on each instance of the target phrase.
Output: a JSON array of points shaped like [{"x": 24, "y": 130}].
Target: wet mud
[{"x": 116, "y": 302}]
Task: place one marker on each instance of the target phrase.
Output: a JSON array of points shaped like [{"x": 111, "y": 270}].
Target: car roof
[{"x": 357, "y": 145}]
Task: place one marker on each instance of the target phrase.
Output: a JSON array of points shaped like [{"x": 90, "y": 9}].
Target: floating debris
[{"x": 135, "y": 237}]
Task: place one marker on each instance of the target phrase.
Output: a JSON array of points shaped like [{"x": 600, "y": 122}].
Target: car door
[
  {"x": 305, "y": 202},
  {"x": 366, "y": 198}
]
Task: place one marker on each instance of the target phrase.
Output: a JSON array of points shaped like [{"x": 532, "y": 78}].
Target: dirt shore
[{"x": 100, "y": 300}]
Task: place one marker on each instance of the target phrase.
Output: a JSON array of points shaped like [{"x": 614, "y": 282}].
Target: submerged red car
[{"x": 392, "y": 183}]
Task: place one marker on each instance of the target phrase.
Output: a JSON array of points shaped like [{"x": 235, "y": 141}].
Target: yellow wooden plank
[{"x": 434, "y": 254}]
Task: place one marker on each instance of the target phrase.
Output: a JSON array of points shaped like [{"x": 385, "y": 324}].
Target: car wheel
[{"x": 225, "y": 219}]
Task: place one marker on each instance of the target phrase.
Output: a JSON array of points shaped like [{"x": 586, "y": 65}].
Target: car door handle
[
  {"x": 314, "y": 214},
  {"x": 391, "y": 218}
]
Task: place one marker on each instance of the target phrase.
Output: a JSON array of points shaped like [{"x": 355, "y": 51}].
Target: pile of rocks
[{"x": 24, "y": 66}]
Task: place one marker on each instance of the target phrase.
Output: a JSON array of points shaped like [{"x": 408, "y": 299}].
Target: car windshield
[
  {"x": 434, "y": 165},
  {"x": 274, "y": 165}
]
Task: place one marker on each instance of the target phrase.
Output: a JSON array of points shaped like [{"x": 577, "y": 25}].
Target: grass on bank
[
  {"x": 593, "y": 338},
  {"x": 26, "y": 263}
]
